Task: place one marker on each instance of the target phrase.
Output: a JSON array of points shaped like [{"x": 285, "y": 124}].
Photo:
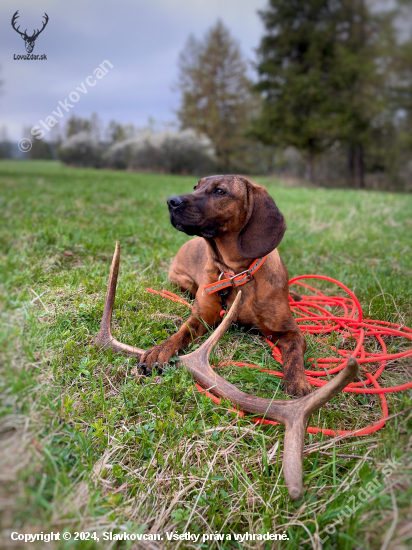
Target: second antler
[{"x": 294, "y": 414}]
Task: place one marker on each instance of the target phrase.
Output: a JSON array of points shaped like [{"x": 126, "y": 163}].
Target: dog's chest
[
  {"x": 253, "y": 309},
  {"x": 262, "y": 306}
]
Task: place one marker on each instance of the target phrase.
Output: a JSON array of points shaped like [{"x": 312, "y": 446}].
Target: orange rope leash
[{"x": 314, "y": 316}]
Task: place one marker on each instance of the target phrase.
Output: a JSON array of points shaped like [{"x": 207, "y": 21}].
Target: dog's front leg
[
  {"x": 205, "y": 313},
  {"x": 160, "y": 354},
  {"x": 292, "y": 345}
]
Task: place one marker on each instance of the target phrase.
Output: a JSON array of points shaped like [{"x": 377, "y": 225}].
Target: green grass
[{"x": 89, "y": 445}]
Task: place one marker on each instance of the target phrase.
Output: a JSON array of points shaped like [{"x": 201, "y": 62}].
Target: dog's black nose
[{"x": 174, "y": 202}]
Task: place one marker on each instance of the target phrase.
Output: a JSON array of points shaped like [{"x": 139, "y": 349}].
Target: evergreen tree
[
  {"x": 319, "y": 78},
  {"x": 215, "y": 91},
  {"x": 395, "y": 144},
  {"x": 295, "y": 59},
  {"x": 364, "y": 49}
]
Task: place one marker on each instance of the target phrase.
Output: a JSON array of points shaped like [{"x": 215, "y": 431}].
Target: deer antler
[
  {"x": 13, "y": 23},
  {"x": 35, "y": 34},
  {"x": 46, "y": 17},
  {"x": 294, "y": 414}
]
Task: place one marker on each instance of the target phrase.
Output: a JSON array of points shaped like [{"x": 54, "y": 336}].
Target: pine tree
[
  {"x": 395, "y": 144},
  {"x": 319, "y": 78},
  {"x": 295, "y": 59},
  {"x": 215, "y": 91},
  {"x": 360, "y": 89}
]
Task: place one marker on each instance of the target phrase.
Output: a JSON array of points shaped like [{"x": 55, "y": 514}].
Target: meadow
[{"x": 88, "y": 444}]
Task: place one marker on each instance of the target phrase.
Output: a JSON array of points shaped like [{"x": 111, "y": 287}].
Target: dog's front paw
[
  {"x": 298, "y": 387},
  {"x": 156, "y": 357}
]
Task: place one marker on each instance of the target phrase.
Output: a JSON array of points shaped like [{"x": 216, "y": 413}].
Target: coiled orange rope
[{"x": 314, "y": 316}]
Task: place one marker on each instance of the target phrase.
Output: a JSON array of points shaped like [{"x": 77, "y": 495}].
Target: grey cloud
[{"x": 142, "y": 39}]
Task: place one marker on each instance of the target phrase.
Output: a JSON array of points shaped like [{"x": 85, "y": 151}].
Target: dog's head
[{"x": 230, "y": 204}]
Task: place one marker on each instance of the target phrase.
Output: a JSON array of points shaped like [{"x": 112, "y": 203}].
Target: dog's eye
[{"x": 219, "y": 191}]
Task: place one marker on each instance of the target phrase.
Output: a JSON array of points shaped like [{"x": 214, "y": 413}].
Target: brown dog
[{"x": 236, "y": 222}]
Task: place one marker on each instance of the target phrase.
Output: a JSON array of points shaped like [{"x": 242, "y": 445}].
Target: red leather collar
[{"x": 235, "y": 280}]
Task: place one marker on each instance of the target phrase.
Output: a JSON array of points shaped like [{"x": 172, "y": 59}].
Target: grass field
[{"x": 88, "y": 445}]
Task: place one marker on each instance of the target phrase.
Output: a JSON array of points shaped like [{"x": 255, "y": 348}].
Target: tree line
[
  {"x": 331, "y": 75},
  {"x": 328, "y": 97}
]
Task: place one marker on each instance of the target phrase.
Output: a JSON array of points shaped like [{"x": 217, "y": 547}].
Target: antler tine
[
  {"x": 13, "y": 23},
  {"x": 314, "y": 401},
  {"x": 36, "y": 34},
  {"x": 298, "y": 414},
  {"x": 104, "y": 337},
  {"x": 294, "y": 414},
  {"x": 204, "y": 351}
]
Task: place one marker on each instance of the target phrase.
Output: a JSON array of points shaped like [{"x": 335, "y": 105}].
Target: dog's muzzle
[{"x": 187, "y": 217}]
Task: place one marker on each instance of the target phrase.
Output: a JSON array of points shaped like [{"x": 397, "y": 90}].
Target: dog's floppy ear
[{"x": 264, "y": 226}]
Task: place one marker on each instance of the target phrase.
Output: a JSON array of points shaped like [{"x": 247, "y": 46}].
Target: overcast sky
[{"x": 140, "y": 38}]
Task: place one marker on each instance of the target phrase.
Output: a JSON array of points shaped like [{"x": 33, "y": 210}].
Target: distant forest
[{"x": 330, "y": 103}]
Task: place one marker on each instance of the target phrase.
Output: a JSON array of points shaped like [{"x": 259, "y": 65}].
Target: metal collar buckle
[{"x": 246, "y": 272}]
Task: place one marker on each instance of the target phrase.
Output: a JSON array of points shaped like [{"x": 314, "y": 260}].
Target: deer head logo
[{"x": 28, "y": 40}]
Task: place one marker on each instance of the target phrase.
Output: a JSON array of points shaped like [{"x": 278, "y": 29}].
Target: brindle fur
[{"x": 233, "y": 229}]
